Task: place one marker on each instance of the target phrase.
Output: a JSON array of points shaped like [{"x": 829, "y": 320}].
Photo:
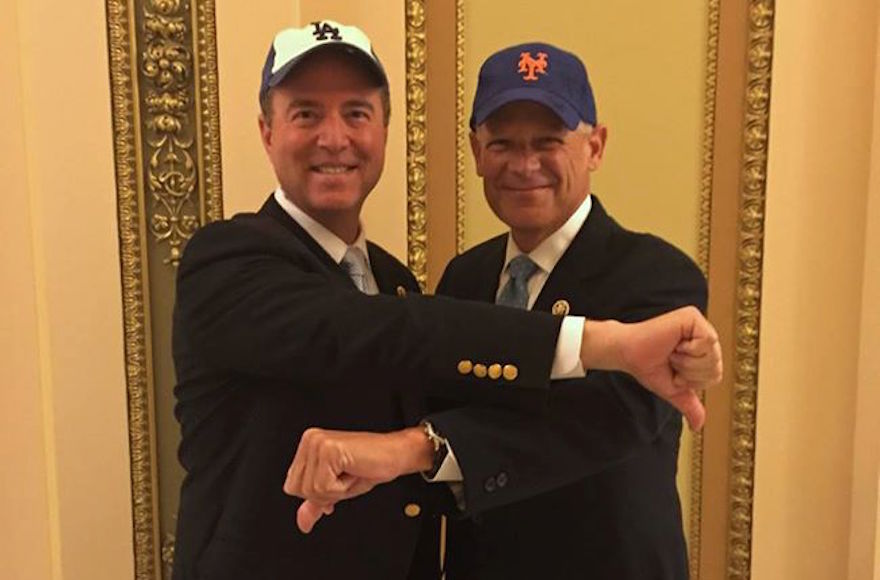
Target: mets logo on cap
[
  {"x": 530, "y": 65},
  {"x": 538, "y": 72}
]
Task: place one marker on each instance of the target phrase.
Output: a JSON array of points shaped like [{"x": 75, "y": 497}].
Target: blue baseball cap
[
  {"x": 292, "y": 45},
  {"x": 537, "y": 72}
]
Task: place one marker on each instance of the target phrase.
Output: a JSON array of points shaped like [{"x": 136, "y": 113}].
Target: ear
[
  {"x": 477, "y": 151},
  {"x": 596, "y": 143},
  {"x": 265, "y": 132}
]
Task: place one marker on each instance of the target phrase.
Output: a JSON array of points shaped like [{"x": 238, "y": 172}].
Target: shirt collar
[
  {"x": 549, "y": 252},
  {"x": 330, "y": 242}
]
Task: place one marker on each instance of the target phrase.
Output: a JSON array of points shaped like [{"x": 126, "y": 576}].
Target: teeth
[{"x": 332, "y": 169}]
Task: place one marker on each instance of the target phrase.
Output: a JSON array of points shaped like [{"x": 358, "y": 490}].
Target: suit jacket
[
  {"x": 271, "y": 337},
  {"x": 584, "y": 488}
]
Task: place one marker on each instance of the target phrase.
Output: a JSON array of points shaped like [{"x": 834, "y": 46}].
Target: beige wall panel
[
  {"x": 25, "y": 547},
  {"x": 823, "y": 74},
  {"x": 646, "y": 62},
  {"x": 66, "y": 124},
  {"x": 864, "y": 539},
  {"x": 243, "y": 40},
  {"x": 441, "y": 146}
]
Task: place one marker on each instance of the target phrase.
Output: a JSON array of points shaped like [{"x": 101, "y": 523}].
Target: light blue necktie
[
  {"x": 516, "y": 292},
  {"x": 355, "y": 263}
]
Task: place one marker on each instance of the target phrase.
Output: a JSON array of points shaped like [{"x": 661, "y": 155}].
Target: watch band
[{"x": 441, "y": 448}]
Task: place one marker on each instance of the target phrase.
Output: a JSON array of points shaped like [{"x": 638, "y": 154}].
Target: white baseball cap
[{"x": 291, "y": 45}]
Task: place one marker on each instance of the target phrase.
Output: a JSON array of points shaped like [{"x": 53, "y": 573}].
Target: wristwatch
[{"x": 441, "y": 449}]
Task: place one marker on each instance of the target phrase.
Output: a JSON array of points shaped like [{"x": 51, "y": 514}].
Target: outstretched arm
[{"x": 673, "y": 355}]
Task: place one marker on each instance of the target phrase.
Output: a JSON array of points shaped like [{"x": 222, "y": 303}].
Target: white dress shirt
[{"x": 329, "y": 242}]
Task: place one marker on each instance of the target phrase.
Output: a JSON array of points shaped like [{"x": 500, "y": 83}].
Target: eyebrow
[
  {"x": 302, "y": 103},
  {"x": 309, "y": 103},
  {"x": 359, "y": 103},
  {"x": 507, "y": 137}
]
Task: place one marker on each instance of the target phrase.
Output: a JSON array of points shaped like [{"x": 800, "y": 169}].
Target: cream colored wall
[
  {"x": 242, "y": 45},
  {"x": 27, "y": 546},
  {"x": 65, "y": 496},
  {"x": 816, "y": 462},
  {"x": 646, "y": 65},
  {"x": 864, "y": 539}
]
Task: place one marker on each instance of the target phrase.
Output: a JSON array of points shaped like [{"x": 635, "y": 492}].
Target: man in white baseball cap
[{"x": 288, "y": 319}]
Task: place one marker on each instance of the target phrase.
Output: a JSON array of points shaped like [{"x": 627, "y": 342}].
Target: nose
[
  {"x": 524, "y": 162},
  {"x": 333, "y": 133}
]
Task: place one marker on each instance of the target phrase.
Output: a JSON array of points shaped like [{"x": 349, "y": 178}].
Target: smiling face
[
  {"x": 326, "y": 137},
  {"x": 535, "y": 171}
]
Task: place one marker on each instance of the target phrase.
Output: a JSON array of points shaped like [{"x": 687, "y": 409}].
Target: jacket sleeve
[{"x": 251, "y": 303}]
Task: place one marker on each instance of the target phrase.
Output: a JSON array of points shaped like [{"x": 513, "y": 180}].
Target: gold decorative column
[{"x": 167, "y": 154}]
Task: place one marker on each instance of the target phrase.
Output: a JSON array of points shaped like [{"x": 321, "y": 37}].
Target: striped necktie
[{"x": 355, "y": 264}]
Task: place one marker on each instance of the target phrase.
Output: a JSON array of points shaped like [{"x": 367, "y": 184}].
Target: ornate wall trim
[
  {"x": 703, "y": 243},
  {"x": 130, "y": 211},
  {"x": 750, "y": 256},
  {"x": 461, "y": 129},
  {"x": 416, "y": 134},
  {"x": 164, "y": 92},
  {"x": 709, "y": 96},
  {"x": 208, "y": 111}
]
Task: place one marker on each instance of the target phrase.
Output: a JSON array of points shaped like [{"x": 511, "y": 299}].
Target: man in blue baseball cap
[
  {"x": 611, "y": 445},
  {"x": 288, "y": 319}
]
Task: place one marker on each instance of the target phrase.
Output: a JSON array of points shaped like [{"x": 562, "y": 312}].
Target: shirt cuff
[
  {"x": 567, "y": 360},
  {"x": 450, "y": 474},
  {"x": 449, "y": 470}
]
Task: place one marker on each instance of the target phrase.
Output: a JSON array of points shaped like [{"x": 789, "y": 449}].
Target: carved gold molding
[
  {"x": 461, "y": 129},
  {"x": 416, "y": 130},
  {"x": 163, "y": 70},
  {"x": 166, "y": 78},
  {"x": 208, "y": 112},
  {"x": 132, "y": 250},
  {"x": 695, "y": 514},
  {"x": 749, "y": 276},
  {"x": 709, "y": 93}
]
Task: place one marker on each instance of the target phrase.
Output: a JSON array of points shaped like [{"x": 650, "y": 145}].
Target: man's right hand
[{"x": 674, "y": 356}]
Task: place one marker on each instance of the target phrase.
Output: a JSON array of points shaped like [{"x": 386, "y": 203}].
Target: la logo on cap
[
  {"x": 530, "y": 65},
  {"x": 325, "y": 31}
]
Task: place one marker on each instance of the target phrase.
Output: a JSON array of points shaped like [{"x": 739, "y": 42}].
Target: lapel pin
[{"x": 560, "y": 308}]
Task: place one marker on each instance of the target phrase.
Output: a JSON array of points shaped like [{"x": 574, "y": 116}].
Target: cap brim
[{"x": 568, "y": 114}]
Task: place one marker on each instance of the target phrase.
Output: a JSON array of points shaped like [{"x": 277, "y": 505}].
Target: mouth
[
  {"x": 526, "y": 188},
  {"x": 332, "y": 169}
]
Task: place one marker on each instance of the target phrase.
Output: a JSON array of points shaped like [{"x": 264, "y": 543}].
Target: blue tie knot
[
  {"x": 522, "y": 268},
  {"x": 516, "y": 292}
]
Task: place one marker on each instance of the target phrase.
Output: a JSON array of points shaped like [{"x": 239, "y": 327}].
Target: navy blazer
[
  {"x": 585, "y": 486},
  {"x": 271, "y": 337}
]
